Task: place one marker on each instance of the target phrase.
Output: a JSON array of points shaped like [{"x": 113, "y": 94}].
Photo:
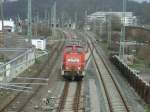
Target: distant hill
[{"x": 70, "y": 7}]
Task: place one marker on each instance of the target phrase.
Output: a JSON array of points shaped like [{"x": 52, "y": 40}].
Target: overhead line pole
[
  {"x": 2, "y": 17},
  {"x": 48, "y": 21},
  {"x": 45, "y": 14},
  {"x": 37, "y": 23},
  {"x": 109, "y": 31},
  {"x": 51, "y": 21},
  {"x": 54, "y": 19},
  {"x": 76, "y": 19},
  {"x": 29, "y": 33},
  {"x": 123, "y": 32},
  {"x": 62, "y": 19}
]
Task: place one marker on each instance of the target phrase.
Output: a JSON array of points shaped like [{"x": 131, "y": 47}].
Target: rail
[
  {"x": 115, "y": 98},
  {"x": 74, "y": 102},
  {"x": 63, "y": 97},
  {"x": 77, "y": 97}
]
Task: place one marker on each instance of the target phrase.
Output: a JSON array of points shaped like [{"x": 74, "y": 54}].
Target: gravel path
[{"x": 94, "y": 96}]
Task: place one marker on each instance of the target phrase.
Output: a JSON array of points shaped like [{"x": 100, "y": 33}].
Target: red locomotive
[{"x": 73, "y": 62}]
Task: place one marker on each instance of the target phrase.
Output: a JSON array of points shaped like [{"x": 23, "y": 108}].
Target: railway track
[
  {"x": 63, "y": 97},
  {"x": 21, "y": 99},
  {"x": 71, "y": 99},
  {"x": 116, "y": 101},
  {"x": 76, "y": 105}
]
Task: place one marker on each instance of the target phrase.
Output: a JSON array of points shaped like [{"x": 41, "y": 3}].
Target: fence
[
  {"x": 140, "y": 86},
  {"x": 14, "y": 67}
]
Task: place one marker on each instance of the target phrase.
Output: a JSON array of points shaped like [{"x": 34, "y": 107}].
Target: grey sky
[
  {"x": 129, "y": 0},
  {"x": 142, "y": 0}
]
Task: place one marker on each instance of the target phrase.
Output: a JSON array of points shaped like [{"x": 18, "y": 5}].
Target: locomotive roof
[
  {"x": 75, "y": 43},
  {"x": 73, "y": 46}
]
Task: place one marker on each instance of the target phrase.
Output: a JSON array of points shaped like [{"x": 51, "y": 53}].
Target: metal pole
[
  {"x": 120, "y": 48},
  {"x": 48, "y": 21},
  {"x": 54, "y": 19},
  {"x": 18, "y": 24},
  {"x": 109, "y": 31},
  {"x": 45, "y": 14},
  {"x": 123, "y": 32},
  {"x": 2, "y": 17},
  {"x": 70, "y": 23},
  {"x": 76, "y": 19},
  {"x": 101, "y": 27},
  {"x": 51, "y": 23},
  {"x": 29, "y": 20},
  {"x": 62, "y": 19}
]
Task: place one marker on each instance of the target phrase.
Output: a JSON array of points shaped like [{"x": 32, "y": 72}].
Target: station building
[
  {"x": 39, "y": 42},
  {"x": 9, "y": 25},
  {"x": 128, "y": 20}
]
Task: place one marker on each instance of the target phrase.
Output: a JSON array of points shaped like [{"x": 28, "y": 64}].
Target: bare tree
[{"x": 116, "y": 22}]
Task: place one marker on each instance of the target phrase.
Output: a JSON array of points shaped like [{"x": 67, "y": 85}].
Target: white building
[
  {"x": 9, "y": 25},
  {"x": 39, "y": 43},
  {"x": 130, "y": 20}
]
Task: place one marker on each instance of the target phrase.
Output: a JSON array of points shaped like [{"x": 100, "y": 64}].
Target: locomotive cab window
[
  {"x": 68, "y": 49},
  {"x": 79, "y": 49}
]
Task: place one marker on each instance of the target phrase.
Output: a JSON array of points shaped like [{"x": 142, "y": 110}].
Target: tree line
[{"x": 72, "y": 8}]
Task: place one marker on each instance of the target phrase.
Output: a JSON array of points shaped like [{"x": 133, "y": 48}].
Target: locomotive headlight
[
  {"x": 79, "y": 68},
  {"x": 73, "y": 60},
  {"x": 67, "y": 68},
  {"x": 76, "y": 60}
]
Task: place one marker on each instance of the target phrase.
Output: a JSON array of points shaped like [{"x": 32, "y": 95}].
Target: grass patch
[
  {"x": 147, "y": 109},
  {"x": 41, "y": 59},
  {"x": 139, "y": 63},
  {"x": 105, "y": 47},
  {"x": 3, "y": 96},
  {"x": 37, "y": 61}
]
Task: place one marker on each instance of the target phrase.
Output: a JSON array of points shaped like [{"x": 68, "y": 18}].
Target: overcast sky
[
  {"x": 129, "y": 0},
  {"x": 142, "y": 0}
]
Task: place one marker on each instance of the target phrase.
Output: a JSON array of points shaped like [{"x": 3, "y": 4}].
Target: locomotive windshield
[
  {"x": 77, "y": 49},
  {"x": 68, "y": 49}
]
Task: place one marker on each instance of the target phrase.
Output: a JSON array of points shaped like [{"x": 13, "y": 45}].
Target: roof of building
[
  {"x": 39, "y": 37},
  {"x": 129, "y": 14},
  {"x": 10, "y": 23}
]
